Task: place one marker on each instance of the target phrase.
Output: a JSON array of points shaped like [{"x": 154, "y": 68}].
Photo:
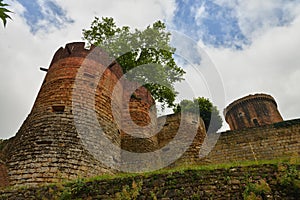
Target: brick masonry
[
  {"x": 251, "y": 111},
  {"x": 273, "y": 141},
  {"x": 47, "y": 148},
  {"x": 183, "y": 127},
  {"x": 84, "y": 99}
]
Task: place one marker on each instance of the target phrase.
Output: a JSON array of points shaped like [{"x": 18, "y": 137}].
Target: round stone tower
[
  {"x": 48, "y": 146},
  {"x": 251, "y": 111},
  {"x": 78, "y": 123}
]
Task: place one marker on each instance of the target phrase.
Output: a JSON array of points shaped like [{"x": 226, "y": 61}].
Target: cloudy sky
[{"x": 253, "y": 46}]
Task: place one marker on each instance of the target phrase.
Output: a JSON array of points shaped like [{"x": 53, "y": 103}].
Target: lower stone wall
[
  {"x": 262, "y": 143},
  {"x": 182, "y": 130},
  {"x": 49, "y": 151},
  {"x": 189, "y": 184},
  {"x": 3, "y": 175}
]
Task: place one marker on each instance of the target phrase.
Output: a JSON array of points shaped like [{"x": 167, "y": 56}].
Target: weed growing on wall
[
  {"x": 289, "y": 177},
  {"x": 257, "y": 190},
  {"x": 129, "y": 193}
]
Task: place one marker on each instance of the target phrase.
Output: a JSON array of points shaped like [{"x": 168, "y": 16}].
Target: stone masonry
[
  {"x": 81, "y": 101},
  {"x": 251, "y": 111},
  {"x": 85, "y": 114}
]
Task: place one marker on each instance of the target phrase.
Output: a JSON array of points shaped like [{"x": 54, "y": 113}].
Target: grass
[
  {"x": 183, "y": 168},
  {"x": 132, "y": 182}
]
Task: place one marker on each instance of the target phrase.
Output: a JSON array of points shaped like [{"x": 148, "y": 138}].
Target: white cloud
[
  {"x": 256, "y": 16},
  {"x": 22, "y": 53},
  {"x": 269, "y": 65},
  {"x": 132, "y": 12},
  {"x": 200, "y": 13}
]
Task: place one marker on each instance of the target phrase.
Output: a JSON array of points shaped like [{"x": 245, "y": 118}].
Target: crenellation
[
  {"x": 77, "y": 49},
  {"x": 251, "y": 111}
]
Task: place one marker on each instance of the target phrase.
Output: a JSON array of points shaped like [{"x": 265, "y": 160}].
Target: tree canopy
[
  {"x": 3, "y": 12},
  {"x": 208, "y": 112},
  {"x": 133, "y": 48}
]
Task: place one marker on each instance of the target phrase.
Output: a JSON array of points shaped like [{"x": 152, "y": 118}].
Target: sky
[{"x": 232, "y": 48}]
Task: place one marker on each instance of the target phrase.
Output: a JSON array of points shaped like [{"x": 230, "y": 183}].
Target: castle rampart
[
  {"x": 278, "y": 140},
  {"x": 82, "y": 95},
  {"x": 47, "y": 147},
  {"x": 172, "y": 125}
]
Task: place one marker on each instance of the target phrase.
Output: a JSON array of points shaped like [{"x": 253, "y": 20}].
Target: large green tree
[
  {"x": 3, "y": 12},
  {"x": 133, "y": 48},
  {"x": 208, "y": 112}
]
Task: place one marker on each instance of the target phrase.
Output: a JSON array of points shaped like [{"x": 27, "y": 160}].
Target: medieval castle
[{"x": 83, "y": 99}]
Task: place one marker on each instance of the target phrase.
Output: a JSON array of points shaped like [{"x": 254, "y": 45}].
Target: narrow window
[
  {"x": 89, "y": 75},
  {"x": 43, "y": 142},
  {"x": 58, "y": 109},
  {"x": 255, "y": 122}
]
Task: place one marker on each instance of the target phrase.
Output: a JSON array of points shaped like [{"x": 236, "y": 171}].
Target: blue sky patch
[
  {"x": 218, "y": 26},
  {"x": 215, "y": 26},
  {"x": 44, "y": 15}
]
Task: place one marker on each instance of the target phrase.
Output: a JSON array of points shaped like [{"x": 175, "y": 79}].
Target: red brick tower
[
  {"x": 251, "y": 111},
  {"x": 141, "y": 119},
  {"x": 81, "y": 98},
  {"x": 84, "y": 115},
  {"x": 138, "y": 134},
  {"x": 47, "y": 147}
]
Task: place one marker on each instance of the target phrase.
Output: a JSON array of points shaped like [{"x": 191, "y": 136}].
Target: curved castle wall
[
  {"x": 61, "y": 137},
  {"x": 47, "y": 148},
  {"x": 84, "y": 98}
]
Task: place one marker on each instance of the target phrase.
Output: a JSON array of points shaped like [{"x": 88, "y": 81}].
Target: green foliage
[
  {"x": 90, "y": 188},
  {"x": 130, "y": 193},
  {"x": 208, "y": 112},
  {"x": 3, "y": 12},
  {"x": 73, "y": 190},
  {"x": 257, "y": 190},
  {"x": 149, "y": 48},
  {"x": 153, "y": 195},
  {"x": 65, "y": 195},
  {"x": 289, "y": 177}
]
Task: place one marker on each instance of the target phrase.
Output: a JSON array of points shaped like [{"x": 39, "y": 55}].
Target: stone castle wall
[
  {"x": 4, "y": 182},
  {"x": 278, "y": 140},
  {"x": 185, "y": 126},
  {"x": 48, "y": 148},
  {"x": 184, "y": 184},
  {"x": 262, "y": 143},
  {"x": 83, "y": 99}
]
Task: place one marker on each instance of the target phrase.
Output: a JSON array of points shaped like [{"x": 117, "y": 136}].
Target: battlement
[
  {"x": 251, "y": 111},
  {"x": 77, "y": 49}
]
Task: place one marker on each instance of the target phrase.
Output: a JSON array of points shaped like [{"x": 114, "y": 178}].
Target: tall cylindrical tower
[
  {"x": 48, "y": 147},
  {"x": 251, "y": 111}
]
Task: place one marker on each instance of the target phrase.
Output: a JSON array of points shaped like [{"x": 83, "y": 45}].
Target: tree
[
  {"x": 131, "y": 49},
  {"x": 208, "y": 112},
  {"x": 3, "y": 12}
]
